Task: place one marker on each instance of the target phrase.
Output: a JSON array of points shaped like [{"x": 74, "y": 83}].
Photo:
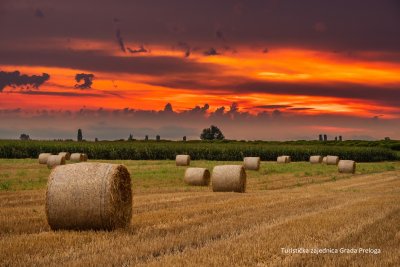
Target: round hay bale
[
  {"x": 197, "y": 176},
  {"x": 43, "y": 158},
  {"x": 251, "y": 163},
  {"x": 332, "y": 160},
  {"x": 229, "y": 178},
  {"x": 347, "y": 166},
  {"x": 67, "y": 155},
  {"x": 182, "y": 160},
  {"x": 86, "y": 196},
  {"x": 55, "y": 160},
  {"x": 283, "y": 159},
  {"x": 78, "y": 157},
  {"x": 85, "y": 157},
  {"x": 324, "y": 160},
  {"x": 316, "y": 159}
]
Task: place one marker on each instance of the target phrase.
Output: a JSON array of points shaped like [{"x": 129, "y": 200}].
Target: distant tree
[
  {"x": 387, "y": 138},
  {"x": 184, "y": 139},
  {"x": 325, "y": 137},
  {"x": 80, "y": 137},
  {"x": 96, "y": 139},
  {"x": 340, "y": 138},
  {"x": 158, "y": 138},
  {"x": 212, "y": 133},
  {"x": 24, "y": 137},
  {"x": 320, "y": 137},
  {"x": 146, "y": 138},
  {"x": 335, "y": 138},
  {"x": 130, "y": 138}
]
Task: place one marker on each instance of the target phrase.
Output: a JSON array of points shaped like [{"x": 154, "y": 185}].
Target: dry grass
[{"x": 172, "y": 227}]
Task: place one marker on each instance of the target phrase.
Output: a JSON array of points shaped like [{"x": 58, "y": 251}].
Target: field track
[{"x": 226, "y": 229}]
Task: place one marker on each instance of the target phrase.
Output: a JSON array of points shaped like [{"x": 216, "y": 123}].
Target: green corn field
[{"x": 229, "y": 151}]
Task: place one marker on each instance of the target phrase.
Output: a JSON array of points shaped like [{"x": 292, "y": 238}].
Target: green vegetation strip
[{"x": 225, "y": 150}]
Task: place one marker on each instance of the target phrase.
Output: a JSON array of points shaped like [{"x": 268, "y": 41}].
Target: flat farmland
[{"x": 288, "y": 206}]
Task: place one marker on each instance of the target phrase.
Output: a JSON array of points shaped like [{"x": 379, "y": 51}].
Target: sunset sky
[{"x": 270, "y": 70}]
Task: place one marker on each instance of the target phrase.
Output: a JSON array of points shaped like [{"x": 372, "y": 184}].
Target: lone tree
[
  {"x": 80, "y": 137},
  {"x": 130, "y": 138},
  {"x": 212, "y": 133},
  {"x": 24, "y": 137},
  {"x": 158, "y": 138}
]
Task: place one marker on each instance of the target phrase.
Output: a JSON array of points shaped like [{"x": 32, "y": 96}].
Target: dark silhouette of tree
[
  {"x": 212, "y": 133},
  {"x": 80, "y": 136},
  {"x": 184, "y": 138},
  {"x": 130, "y": 138},
  {"x": 96, "y": 139},
  {"x": 158, "y": 138},
  {"x": 146, "y": 138},
  {"x": 24, "y": 137}
]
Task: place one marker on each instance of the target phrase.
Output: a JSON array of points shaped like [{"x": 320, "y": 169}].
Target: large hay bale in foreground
[
  {"x": 55, "y": 160},
  {"x": 89, "y": 196},
  {"x": 251, "y": 163},
  {"x": 182, "y": 160},
  {"x": 332, "y": 160},
  {"x": 197, "y": 176},
  {"x": 67, "y": 155},
  {"x": 316, "y": 159},
  {"x": 347, "y": 166},
  {"x": 229, "y": 178},
  {"x": 283, "y": 159},
  {"x": 78, "y": 157},
  {"x": 324, "y": 160},
  {"x": 43, "y": 158}
]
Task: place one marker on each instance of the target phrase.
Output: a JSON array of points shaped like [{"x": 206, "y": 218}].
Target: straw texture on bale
[
  {"x": 347, "y": 166},
  {"x": 78, "y": 157},
  {"x": 55, "y": 160},
  {"x": 283, "y": 159},
  {"x": 197, "y": 176},
  {"x": 324, "y": 160},
  {"x": 43, "y": 158},
  {"x": 251, "y": 163},
  {"x": 332, "y": 160},
  {"x": 67, "y": 155},
  {"x": 229, "y": 178},
  {"x": 315, "y": 159},
  {"x": 86, "y": 196},
  {"x": 182, "y": 160}
]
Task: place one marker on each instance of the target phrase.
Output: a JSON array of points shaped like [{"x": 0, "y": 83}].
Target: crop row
[{"x": 140, "y": 150}]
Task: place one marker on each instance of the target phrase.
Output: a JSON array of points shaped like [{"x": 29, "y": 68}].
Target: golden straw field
[{"x": 296, "y": 205}]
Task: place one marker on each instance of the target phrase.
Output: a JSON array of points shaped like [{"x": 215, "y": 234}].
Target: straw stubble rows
[{"x": 205, "y": 228}]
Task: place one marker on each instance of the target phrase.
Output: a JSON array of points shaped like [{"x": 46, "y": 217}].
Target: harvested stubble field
[{"x": 297, "y": 205}]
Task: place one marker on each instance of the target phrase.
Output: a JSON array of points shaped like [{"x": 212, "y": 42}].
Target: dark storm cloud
[
  {"x": 16, "y": 79},
  {"x": 95, "y": 61},
  {"x": 120, "y": 40},
  {"x": 348, "y": 25},
  {"x": 240, "y": 85},
  {"x": 87, "y": 79}
]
